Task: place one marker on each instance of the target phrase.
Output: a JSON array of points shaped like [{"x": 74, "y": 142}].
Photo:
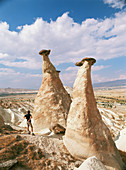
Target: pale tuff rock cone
[
  {"x": 86, "y": 134},
  {"x": 52, "y": 102}
]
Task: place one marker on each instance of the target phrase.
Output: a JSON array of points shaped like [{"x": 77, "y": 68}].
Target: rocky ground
[{"x": 19, "y": 150}]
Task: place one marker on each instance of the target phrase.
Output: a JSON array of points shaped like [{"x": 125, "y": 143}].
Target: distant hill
[
  {"x": 116, "y": 83},
  {"x": 11, "y": 91},
  {"x": 108, "y": 84}
]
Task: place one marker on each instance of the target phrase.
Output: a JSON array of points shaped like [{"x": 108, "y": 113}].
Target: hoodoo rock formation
[
  {"x": 52, "y": 102},
  {"x": 86, "y": 134}
]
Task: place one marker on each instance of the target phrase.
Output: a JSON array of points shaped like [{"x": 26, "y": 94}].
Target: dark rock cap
[
  {"x": 80, "y": 63},
  {"x": 46, "y": 52},
  {"x": 58, "y": 71}
]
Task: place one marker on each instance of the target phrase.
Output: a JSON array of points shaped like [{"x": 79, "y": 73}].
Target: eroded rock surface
[
  {"x": 1, "y": 121},
  {"x": 91, "y": 163},
  {"x": 121, "y": 144},
  {"x": 52, "y": 102},
  {"x": 17, "y": 153},
  {"x": 27, "y": 152},
  {"x": 86, "y": 134}
]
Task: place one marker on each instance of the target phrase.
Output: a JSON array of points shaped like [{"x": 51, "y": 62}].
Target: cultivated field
[{"x": 114, "y": 99}]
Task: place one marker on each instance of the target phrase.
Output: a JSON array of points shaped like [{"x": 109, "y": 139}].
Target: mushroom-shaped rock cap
[
  {"x": 58, "y": 71},
  {"x": 46, "y": 52},
  {"x": 80, "y": 63}
]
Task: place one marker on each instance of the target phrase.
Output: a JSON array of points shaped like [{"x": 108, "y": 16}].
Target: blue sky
[{"x": 72, "y": 29}]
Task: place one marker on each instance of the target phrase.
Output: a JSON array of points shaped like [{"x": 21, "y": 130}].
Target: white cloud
[
  {"x": 14, "y": 79},
  {"x": 3, "y": 55},
  {"x": 115, "y": 3},
  {"x": 97, "y": 68},
  {"x": 10, "y": 72},
  {"x": 68, "y": 78},
  {"x": 19, "y": 27},
  {"x": 96, "y": 78},
  {"x": 29, "y": 64},
  {"x": 6, "y": 70},
  {"x": 72, "y": 69},
  {"x": 68, "y": 40},
  {"x": 122, "y": 76}
]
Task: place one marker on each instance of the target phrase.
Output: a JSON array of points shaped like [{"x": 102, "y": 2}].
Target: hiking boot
[{"x": 33, "y": 134}]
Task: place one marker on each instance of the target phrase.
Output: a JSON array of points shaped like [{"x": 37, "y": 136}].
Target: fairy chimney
[
  {"x": 86, "y": 134},
  {"x": 52, "y": 102}
]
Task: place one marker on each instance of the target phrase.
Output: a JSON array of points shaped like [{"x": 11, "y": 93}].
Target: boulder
[
  {"x": 6, "y": 116},
  {"x": 86, "y": 134},
  {"x": 8, "y": 164},
  {"x": 56, "y": 129},
  {"x": 52, "y": 102},
  {"x": 92, "y": 163},
  {"x": 121, "y": 144}
]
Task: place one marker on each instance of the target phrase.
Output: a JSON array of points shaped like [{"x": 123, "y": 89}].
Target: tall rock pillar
[
  {"x": 52, "y": 102},
  {"x": 86, "y": 134}
]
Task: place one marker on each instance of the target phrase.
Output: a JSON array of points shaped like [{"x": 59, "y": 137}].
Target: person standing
[{"x": 28, "y": 116}]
